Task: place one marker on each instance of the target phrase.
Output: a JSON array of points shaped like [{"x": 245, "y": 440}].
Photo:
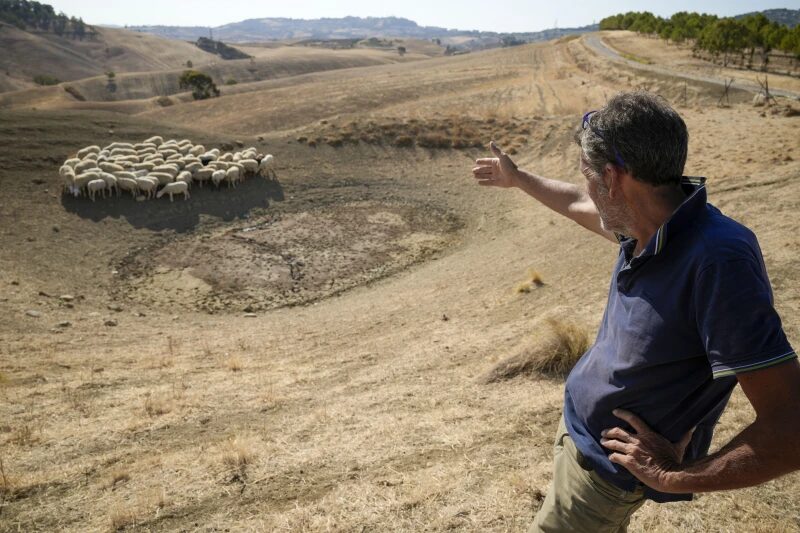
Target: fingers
[
  {"x": 620, "y": 459},
  {"x": 486, "y": 161},
  {"x": 482, "y": 169},
  {"x": 495, "y": 149},
  {"x": 617, "y": 433},
  {"x": 617, "y": 446},
  {"x": 635, "y": 422}
]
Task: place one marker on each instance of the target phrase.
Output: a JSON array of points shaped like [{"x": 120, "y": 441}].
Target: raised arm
[{"x": 564, "y": 198}]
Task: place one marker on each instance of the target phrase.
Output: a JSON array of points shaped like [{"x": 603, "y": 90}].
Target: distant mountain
[
  {"x": 265, "y": 29},
  {"x": 789, "y": 17}
]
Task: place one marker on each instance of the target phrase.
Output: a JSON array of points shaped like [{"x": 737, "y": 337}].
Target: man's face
[{"x": 614, "y": 214}]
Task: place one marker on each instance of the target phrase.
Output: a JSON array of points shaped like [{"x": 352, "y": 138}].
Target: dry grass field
[
  {"x": 356, "y": 345},
  {"x": 679, "y": 57},
  {"x": 26, "y": 54}
]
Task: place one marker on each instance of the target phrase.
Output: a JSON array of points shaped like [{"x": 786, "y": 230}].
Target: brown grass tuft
[
  {"x": 534, "y": 280},
  {"x": 118, "y": 475},
  {"x": 122, "y": 517},
  {"x": 6, "y": 483},
  {"x": 23, "y": 436},
  {"x": 238, "y": 452},
  {"x": 564, "y": 343},
  {"x": 157, "y": 405},
  {"x": 234, "y": 363}
]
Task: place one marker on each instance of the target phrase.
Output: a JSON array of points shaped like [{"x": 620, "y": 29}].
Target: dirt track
[{"x": 357, "y": 409}]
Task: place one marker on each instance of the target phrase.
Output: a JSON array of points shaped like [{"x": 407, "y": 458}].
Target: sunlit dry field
[{"x": 311, "y": 353}]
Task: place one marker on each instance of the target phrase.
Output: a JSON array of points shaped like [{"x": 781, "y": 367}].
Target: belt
[{"x": 582, "y": 461}]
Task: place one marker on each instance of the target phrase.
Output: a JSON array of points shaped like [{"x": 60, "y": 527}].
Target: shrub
[
  {"x": 434, "y": 141},
  {"x": 404, "y": 141},
  {"x": 74, "y": 92},
  {"x": 164, "y": 101},
  {"x": 46, "y": 79},
  {"x": 555, "y": 355},
  {"x": 201, "y": 84},
  {"x": 231, "y": 81}
]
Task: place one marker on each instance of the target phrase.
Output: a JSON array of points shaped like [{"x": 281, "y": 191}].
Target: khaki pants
[{"x": 581, "y": 501}]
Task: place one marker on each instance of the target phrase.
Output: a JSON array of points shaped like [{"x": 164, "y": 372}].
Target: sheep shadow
[{"x": 181, "y": 215}]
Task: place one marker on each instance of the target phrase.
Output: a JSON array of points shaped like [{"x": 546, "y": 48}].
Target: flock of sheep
[{"x": 156, "y": 168}]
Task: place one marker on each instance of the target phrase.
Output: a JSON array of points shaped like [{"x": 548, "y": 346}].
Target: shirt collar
[{"x": 695, "y": 189}]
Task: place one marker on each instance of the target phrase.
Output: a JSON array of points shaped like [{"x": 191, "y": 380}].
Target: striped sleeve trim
[{"x": 732, "y": 371}]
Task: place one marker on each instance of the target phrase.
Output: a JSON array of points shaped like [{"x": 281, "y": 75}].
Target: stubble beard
[{"x": 614, "y": 216}]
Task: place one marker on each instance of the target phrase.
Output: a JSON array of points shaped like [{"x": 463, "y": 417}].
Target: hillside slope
[{"x": 27, "y": 54}]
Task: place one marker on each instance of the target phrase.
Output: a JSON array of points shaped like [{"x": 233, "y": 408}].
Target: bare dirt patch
[{"x": 287, "y": 258}]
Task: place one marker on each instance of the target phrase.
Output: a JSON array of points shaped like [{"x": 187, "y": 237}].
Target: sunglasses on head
[{"x": 587, "y": 123}]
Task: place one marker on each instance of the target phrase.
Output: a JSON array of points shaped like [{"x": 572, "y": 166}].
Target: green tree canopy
[{"x": 201, "y": 84}]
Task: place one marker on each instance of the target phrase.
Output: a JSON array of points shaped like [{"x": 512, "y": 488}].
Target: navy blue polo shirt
[{"x": 687, "y": 314}]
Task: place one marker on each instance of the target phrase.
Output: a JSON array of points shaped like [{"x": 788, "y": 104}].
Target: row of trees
[
  {"x": 713, "y": 34},
  {"x": 27, "y": 15}
]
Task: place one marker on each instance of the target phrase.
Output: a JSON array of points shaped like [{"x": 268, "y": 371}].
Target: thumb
[{"x": 495, "y": 149}]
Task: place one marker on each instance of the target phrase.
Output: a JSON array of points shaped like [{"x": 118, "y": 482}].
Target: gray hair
[{"x": 644, "y": 131}]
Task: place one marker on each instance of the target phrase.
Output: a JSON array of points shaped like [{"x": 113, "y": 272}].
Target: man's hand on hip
[
  {"x": 645, "y": 454},
  {"x": 497, "y": 171}
]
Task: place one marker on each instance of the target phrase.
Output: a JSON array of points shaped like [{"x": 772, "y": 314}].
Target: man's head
[
  {"x": 639, "y": 133},
  {"x": 636, "y": 135}
]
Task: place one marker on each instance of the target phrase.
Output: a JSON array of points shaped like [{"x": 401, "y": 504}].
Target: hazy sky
[{"x": 500, "y": 15}]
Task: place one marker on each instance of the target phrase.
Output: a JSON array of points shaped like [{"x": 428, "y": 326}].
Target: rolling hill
[{"x": 30, "y": 53}]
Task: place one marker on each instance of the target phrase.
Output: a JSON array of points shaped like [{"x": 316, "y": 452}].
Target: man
[{"x": 689, "y": 314}]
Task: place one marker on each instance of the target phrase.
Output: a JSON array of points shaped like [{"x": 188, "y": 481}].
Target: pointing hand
[{"x": 497, "y": 171}]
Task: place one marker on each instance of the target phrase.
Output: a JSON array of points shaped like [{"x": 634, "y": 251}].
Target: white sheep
[
  {"x": 193, "y": 166},
  {"x": 84, "y": 166},
  {"x": 110, "y": 167},
  {"x": 88, "y": 150},
  {"x": 202, "y": 175},
  {"x": 123, "y": 151},
  {"x": 154, "y": 140},
  {"x": 96, "y": 186},
  {"x": 207, "y": 157},
  {"x": 144, "y": 166},
  {"x": 267, "y": 166},
  {"x": 72, "y": 161},
  {"x": 163, "y": 178},
  {"x": 128, "y": 184},
  {"x": 232, "y": 176},
  {"x": 197, "y": 150},
  {"x": 250, "y": 165},
  {"x": 147, "y": 185},
  {"x": 219, "y": 165},
  {"x": 111, "y": 182},
  {"x": 116, "y": 145},
  {"x": 178, "y": 187},
  {"x": 217, "y": 177},
  {"x": 66, "y": 170},
  {"x": 168, "y": 169},
  {"x": 67, "y": 174}
]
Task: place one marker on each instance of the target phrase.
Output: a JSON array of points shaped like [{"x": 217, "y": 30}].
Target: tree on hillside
[
  {"x": 201, "y": 84},
  {"x": 111, "y": 83},
  {"x": 401, "y": 50},
  {"x": 726, "y": 36}
]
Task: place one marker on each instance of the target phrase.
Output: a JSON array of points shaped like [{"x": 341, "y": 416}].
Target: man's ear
[{"x": 611, "y": 180}]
